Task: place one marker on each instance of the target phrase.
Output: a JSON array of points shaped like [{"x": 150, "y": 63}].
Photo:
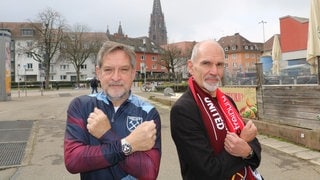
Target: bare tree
[
  {"x": 174, "y": 57},
  {"x": 79, "y": 45},
  {"x": 48, "y": 29},
  {"x": 170, "y": 59}
]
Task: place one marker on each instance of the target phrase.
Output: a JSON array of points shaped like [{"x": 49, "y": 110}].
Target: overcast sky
[{"x": 186, "y": 20}]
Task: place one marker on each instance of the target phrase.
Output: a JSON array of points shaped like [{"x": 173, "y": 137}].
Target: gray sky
[{"x": 186, "y": 20}]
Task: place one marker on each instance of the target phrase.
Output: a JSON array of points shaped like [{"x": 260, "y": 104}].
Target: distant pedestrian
[
  {"x": 57, "y": 85},
  {"x": 94, "y": 85}
]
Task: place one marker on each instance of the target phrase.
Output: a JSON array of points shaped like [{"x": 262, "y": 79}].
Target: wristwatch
[
  {"x": 251, "y": 154},
  {"x": 126, "y": 147}
]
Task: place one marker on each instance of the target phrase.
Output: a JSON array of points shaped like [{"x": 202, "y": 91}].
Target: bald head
[
  {"x": 207, "y": 45},
  {"x": 206, "y": 65}
]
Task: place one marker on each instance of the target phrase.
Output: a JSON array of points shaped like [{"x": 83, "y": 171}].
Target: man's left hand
[
  {"x": 249, "y": 132},
  {"x": 98, "y": 123}
]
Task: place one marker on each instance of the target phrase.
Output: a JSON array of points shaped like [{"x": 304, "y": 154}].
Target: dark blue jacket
[{"x": 103, "y": 158}]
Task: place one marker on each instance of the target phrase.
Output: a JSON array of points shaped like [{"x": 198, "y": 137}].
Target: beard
[
  {"x": 211, "y": 87},
  {"x": 117, "y": 91}
]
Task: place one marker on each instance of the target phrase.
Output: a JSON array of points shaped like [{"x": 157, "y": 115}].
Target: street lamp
[
  {"x": 25, "y": 79},
  {"x": 145, "y": 61},
  {"x": 263, "y": 22},
  {"x": 18, "y": 74}
]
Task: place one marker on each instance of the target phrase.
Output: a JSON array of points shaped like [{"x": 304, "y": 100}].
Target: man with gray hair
[
  {"x": 113, "y": 134},
  {"x": 211, "y": 139}
]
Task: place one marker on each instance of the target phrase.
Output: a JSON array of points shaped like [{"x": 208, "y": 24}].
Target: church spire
[
  {"x": 157, "y": 28},
  {"x": 120, "y": 32},
  {"x": 108, "y": 32}
]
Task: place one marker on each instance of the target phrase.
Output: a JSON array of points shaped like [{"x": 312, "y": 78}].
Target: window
[
  {"x": 142, "y": 57},
  {"x": 63, "y": 77},
  {"x": 29, "y": 43},
  {"x": 234, "y": 48},
  {"x": 246, "y": 55},
  {"x": 29, "y": 66},
  {"x": 154, "y": 58},
  {"x": 63, "y": 45},
  {"x": 64, "y": 67},
  {"x": 83, "y": 66},
  {"x": 234, "y": 56},
  {"x": 27, "y": 32},
  {"x": 86, "y": 46},
  {"x": 246, "y": 47},
  {"x": 154, "y": 66},
  {"x": 29, "y": 54}
]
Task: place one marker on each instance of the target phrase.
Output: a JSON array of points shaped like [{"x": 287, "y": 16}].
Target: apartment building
[
  {"x": 241, "y": 54},
  {"x": 25, "y": 69},
  {"x": 294, "y": 38},
  {"x": 147, "y": 54}
]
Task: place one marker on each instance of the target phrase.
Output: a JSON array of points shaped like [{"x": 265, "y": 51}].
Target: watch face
[{"x": 126, "y": 148}]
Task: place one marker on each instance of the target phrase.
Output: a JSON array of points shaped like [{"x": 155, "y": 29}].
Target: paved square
[{"x": 14, "y": 136}]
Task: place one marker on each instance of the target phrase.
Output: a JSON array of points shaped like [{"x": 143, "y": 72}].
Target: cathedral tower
[{"x": 157, "y": 28}]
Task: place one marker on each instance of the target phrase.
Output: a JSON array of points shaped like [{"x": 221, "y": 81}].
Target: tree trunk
[
  {"x": 78, "y": 77},
  {"x": 47, "y": 75}
]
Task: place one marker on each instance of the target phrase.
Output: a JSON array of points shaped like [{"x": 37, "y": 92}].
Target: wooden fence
[
  {"x": 289, "y": 111},
  {"x": 297, "y": 106}
]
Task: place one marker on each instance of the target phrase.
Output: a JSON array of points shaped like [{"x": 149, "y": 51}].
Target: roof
[
  {"x": 269, "y": 43},
  {"x": 141, "y": 44},
  {"x": 16, "y": 27},
  {"x": 238, "y": 43},
  {"x": 92, "y": 35},
  {"x": 296, "y": 18},
  {"x": 184, "y": 46}
]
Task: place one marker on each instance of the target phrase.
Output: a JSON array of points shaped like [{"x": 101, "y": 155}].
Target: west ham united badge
[{"x": 133, "y": 122}]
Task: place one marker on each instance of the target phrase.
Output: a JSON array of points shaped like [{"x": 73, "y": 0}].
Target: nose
[
  {"x": 116, "y": 75},
  {"x": 214, "y": 69}
]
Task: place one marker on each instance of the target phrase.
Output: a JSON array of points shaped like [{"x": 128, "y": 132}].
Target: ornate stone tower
[{"x": 157, "y": 28}]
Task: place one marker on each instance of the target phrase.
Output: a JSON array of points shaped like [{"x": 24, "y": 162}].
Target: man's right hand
[{"x": 143, "y": 137}]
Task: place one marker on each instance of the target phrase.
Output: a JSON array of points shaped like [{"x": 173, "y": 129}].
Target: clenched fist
[
  {"x": 98, "y": 123},
  {"x": 143, "y": 137},
  {"x": 249, "y": 132},
  {"x": 236, "y": 146}
]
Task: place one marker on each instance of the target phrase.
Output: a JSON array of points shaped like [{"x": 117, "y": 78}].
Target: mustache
[
  {"x": 115, "y": 84},
  {"x": 217, "y": 77}
]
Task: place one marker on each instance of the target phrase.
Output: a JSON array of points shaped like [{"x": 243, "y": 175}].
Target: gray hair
[
  {"x": 109, "y": 47},
  {"x": 195, "y": 50}
]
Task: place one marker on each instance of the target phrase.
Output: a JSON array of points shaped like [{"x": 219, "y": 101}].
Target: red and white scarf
[{"x": 219, "y": 117}]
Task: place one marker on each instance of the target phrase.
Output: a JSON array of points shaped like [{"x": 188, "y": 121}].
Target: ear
[
  {"x": 190, "y": 66},
  {"x": 98, "y": 72}
]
